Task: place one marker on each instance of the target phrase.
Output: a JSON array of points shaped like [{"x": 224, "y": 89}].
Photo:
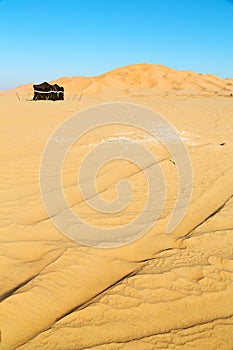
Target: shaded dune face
[{"x": 171, "y": 291}]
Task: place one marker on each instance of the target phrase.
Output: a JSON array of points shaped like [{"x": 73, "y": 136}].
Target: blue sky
[{"x": 43, "y": 40}]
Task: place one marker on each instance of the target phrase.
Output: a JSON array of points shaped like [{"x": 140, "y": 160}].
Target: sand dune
[
  {"x": 142, "y": 79},
  {"x": 164, "y": 291}
]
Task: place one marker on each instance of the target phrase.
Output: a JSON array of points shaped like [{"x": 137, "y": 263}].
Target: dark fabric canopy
[{"x": 45, "y": 91}]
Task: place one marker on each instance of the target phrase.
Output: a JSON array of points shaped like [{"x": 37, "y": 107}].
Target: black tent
[{"x": 45, "y": 91}]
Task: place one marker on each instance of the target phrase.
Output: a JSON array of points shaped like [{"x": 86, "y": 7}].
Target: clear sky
[{"x": 43, "y": 39}]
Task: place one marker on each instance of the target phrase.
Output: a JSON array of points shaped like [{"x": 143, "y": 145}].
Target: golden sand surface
[{"x": 163, "y": 291}]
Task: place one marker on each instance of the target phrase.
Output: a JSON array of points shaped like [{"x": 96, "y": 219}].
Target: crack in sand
[
  {"x": 16, "y": 290},
  {"x": 95, "y": 195},
  {"x": 79, "y": 307},
  {"x": 218, "y": 210}
]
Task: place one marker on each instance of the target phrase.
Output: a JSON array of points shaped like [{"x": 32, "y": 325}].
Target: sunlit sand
[{"x": 161, "y": 291}]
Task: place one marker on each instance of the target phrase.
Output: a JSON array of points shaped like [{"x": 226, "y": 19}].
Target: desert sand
[{"x": 163, "y": 291}]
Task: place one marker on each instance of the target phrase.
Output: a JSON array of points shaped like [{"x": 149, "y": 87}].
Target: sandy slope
[
  {"x": 139, "y": 80},
  {"x": 163, "y": 291}
]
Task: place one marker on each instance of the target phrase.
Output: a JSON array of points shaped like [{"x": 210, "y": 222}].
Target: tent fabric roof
[{"x": 46, "y": 87}]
